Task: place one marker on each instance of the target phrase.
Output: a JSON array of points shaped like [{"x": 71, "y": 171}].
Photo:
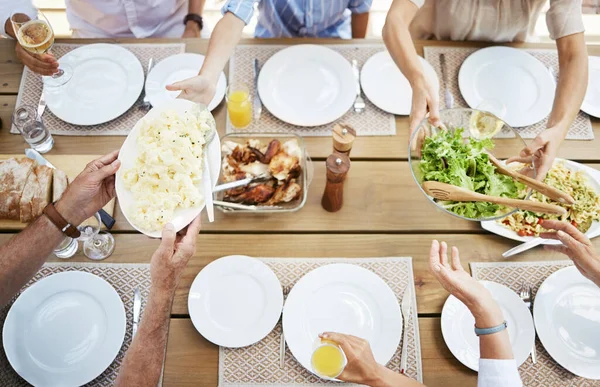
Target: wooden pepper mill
[
  {"x": 343, "y": 138},
  {"x": 337, "y": 168}
]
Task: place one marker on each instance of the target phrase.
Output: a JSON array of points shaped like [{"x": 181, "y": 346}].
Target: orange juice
[
  {"x": 328, "y": 360},
  {"x": 239, "y": 107}
]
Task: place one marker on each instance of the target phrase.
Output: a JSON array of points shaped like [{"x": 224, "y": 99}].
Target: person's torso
[
  {"x": 126, "y": 18},
  {"x": 485, "y": 20},
  {"x": 303, "y": 18}
]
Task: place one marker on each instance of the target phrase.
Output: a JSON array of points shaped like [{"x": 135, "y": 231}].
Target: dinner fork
[
  {"x": 359, "y": 102},
  {"x": 146, "y": 105},
  {"x": 526, "y": 295}
]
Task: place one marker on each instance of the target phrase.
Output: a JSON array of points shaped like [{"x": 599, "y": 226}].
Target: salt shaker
[
  {"x": 343, "y": 138},
  {"x": 337, "y": 168}
]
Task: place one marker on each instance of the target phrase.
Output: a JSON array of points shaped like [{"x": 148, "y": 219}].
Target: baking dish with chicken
[{"x": 279, "y": 165}]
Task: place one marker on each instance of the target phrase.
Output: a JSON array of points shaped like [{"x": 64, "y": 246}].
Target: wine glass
[
  {"x": 36, "y": 36},
  {"x": 97, "y": 245}
]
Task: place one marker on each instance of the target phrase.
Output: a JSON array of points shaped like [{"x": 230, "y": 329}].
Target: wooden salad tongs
[
  {"x": 543, "y": 188},
  {"x": 443, "y": 191}
]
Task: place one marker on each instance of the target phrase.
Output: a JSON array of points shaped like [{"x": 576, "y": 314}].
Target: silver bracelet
[{"x": 492, "y": 330}]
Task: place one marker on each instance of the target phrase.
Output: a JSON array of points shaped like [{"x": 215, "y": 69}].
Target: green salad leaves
[{"x": 448, "y": 158}]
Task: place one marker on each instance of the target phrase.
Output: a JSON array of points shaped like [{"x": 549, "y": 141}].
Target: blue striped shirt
[{"x": 299, "y": 18}]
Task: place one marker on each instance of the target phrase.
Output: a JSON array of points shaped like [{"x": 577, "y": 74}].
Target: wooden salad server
[
  {"x": 443, "y": 191},
  {"x": 543, "y": 188}
]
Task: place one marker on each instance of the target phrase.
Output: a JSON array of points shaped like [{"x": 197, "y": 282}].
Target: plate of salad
[{"x": 579, "y": 181}]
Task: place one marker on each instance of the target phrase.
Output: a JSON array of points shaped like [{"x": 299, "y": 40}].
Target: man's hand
[
  {"x": 198, "y": 89},
  {"x": 172, "y": 255},
  {"x": 192, "y": 30},
  {"x": 576, "y": 246},
  {"x": 362, "y": 367},
  {"x": 424, "y": 99},
  {"x": 91, "y": 190},
  {"x": 461, "y": 285},
  {"x": 541, "y": 152},
  {"x": 44, "y": 64}
]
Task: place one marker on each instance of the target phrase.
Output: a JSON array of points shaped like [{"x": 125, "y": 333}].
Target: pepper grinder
[
  {"x": 343, "y": 138},
  {"x": 337, "y": 168}
]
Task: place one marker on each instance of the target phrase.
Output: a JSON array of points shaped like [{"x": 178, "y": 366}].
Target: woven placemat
[
  {"x": 581, "y": 128},
  {"x": 123, "y": 277},
  {"x": 546, "y": 372},
  {"x": 258, "y": 364},
  {"x": 31, "y": 90},
  {"x": 372, "y": 122}
]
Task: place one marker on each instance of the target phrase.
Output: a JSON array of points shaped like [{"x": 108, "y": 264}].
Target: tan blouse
[{"x": 493, "y": 20}]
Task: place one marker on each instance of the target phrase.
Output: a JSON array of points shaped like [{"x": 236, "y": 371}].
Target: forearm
[
  {"x": 399, "y": 42},
  {"x": 388, "y": 378},
  {"x": 572, "y": 81},
  {"x": 143, "y": 362},
  {"x": 226, "y": 35},
  {"x": 360, "y": 21},
  {"x": 196, "y": 6},
  {"x": 497, "y": 345}
]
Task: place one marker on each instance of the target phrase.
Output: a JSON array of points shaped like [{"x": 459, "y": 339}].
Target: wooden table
[{"x": 384, "y": 215}]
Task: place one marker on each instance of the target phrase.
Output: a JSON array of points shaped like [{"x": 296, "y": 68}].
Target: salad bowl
[{"x": 457, "y": 153}]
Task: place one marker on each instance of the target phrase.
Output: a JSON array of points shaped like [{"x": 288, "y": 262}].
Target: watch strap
[
  {"x": 57, "y": 219},
  {"x": 194, "y": 17},
  {"x": 492, "y": 330}
]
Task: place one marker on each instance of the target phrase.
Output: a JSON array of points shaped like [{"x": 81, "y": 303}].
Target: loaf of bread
[
  {"x": 59, "y": 184},
  {"x": 13, "y": 178},
  {"x": 37, "y": 193}
]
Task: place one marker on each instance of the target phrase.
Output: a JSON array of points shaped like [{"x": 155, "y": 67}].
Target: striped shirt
[{"x": 300, "y": 18}]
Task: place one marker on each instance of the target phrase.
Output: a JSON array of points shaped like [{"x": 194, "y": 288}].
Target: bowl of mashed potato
[{"x": 160, "y": 179}]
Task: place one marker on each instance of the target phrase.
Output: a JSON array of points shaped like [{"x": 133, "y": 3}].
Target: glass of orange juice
[
  {"x": 239, "y": 105},
  {"x": 328, "y": 359}
]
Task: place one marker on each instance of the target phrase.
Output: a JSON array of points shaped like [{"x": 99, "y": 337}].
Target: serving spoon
[
  {"x": 443, "y": 191},
  {"x": 543, "y": 188}
]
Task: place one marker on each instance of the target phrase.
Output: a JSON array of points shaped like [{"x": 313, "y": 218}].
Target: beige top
[{"x": 493, "y": 20}]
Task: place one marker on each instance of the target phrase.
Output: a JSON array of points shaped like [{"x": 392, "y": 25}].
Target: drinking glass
[
  {"x": 36, "y": 36},
  {"x": 239, "y": 105},
  {"x": 32, "y": 128},
  {"x": 97, "y": 244},
  {"x": 67, "y": 248}
]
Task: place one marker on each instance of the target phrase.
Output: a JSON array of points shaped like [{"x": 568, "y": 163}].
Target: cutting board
[{"x": 72, "y": 165}]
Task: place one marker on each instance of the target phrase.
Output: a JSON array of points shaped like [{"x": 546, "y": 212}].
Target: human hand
[
  {"x": 44, "y": 64},
  {"x": 198, "y": 89},
  {"x": 192, "y": 30},
  {"x": 461, "y": 285},
  {"x": 541, "y": 152},
  {"x": 91, "y": 189},
  {"x": 424, "y": 99},
  {"x": 576, "y": 246},
  {"x": 173, "y": 254},
  {"x": 361, "y": 367}
]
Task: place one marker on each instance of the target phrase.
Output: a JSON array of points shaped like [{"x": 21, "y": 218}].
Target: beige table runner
[
  {"x": 372, "y": 122},
  {"x": 546, "y": 372},
  {"x": 581, "y": 128},
  {"x": 123, "y": 277},
  {"x": 31, "y": 90},
  {"x": 258, "y": 364}
]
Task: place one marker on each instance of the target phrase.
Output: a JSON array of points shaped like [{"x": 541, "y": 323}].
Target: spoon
[{"x": 443, "y": 191}]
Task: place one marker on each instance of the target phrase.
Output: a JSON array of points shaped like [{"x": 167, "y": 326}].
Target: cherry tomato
[
  {"x": 574, "y": 223},
  {"x": 540, "y": 220},
  {"x": 522, "y": 233}
]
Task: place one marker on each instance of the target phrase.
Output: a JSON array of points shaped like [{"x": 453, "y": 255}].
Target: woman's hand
[
  {"x": 198, "y": 89},
  {"x": 461, "y": 285},
  {"x": 576, "y": 246},
  {"x": 424, "y": 99},
  {"x": 541, "y": 152}
]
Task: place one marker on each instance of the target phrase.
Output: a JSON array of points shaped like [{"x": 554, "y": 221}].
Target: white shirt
[
  {"x": 115, "y": 18},
  {"x": 498, "y": 373}
]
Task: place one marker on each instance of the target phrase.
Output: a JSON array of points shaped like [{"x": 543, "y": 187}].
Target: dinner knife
[
  {"x": 523, "y": 247},
  {"x": 257, "y": 101},
  {"x": 108, "y": 220},
  {"x": 449, "y": 99},
  {"x": 137, "y": 308},
  {"x": 208, "y": 190},
  {"x": 406, "y": 311},
  {"x": 41, "y": 106}
]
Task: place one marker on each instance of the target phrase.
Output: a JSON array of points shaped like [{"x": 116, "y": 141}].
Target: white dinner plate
[
  {"x": 386, "y": 86},
  {"x": 567, "y": 316},
  {"x": 342, "y": 298},
  {"x": 107, "y": 80},
  {"x": 128, "y": 155},
  {"x": 64, "y": 330},
  {"x": 235, "y": 301},
  {"x": 594, "y": 231},
  {"x": 591, "y": 102},
  {"x": 511, "y": 76},
  {"x": 174, "y": 69},
  {"x": 458, "y": 326},
  {"x": 307, "y": 85}
]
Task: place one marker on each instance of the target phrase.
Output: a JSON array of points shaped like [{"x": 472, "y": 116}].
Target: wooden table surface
[{"x": 384, "y": 214}]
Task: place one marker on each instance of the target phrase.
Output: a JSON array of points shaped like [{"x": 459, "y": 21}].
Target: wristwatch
[
  {"x": 194, "y": 17},
  {"x": 57, "y": 219}
]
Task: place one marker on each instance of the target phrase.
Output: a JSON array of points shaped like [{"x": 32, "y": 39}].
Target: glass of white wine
[
  {"x": 36, "y": 36},
  {"x": 97, "y": 245}
]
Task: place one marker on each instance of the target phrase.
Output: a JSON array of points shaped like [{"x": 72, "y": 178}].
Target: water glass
[
  {"x": 239, "y": 105},
  {"x": 67, "y": 248},
  {"x": 32, "y": 128}
]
